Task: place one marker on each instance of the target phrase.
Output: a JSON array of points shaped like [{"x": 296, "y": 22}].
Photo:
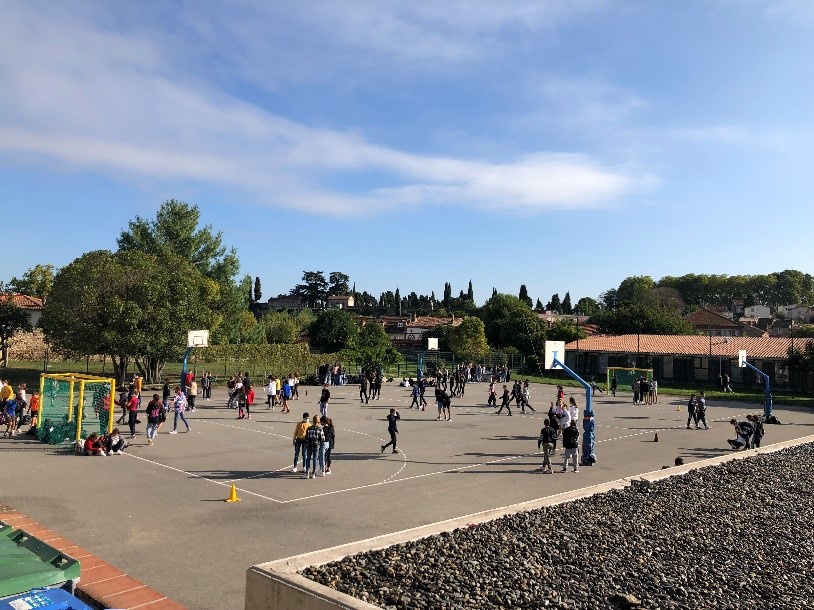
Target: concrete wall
[{"x": 277, "y": 585}]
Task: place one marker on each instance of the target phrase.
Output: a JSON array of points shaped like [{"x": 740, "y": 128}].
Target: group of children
[
  {"x": 16, "y": 408},
  {"x": 279, "y": 392},
  {"x": 314, "y": 439}
]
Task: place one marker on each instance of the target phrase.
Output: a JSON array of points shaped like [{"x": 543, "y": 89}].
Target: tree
[
  {"x": 13, "y": 320},
  {"x": 587, "y": 306},
  {"x": 565, "y": 330},
  {"x": 258, "y": 292},
  {"x": 338, "y": 284},
  {"x": 333, "y": 330},
  {"x": 36, "y": 282},
  {"x": 566, "y": 304},
  {"x": 609, "y": 300},
  {"x": 129, "y": 306},
  {"x": 494, "y": 291},
  {"x": 524, "y": 295},
  {"x": 313, "y": 290},
  {"x": 631, "y": 318},
  {"x": 635, "y": 289},
  {"x": 470, "y": 294},
  {"x": 468, "y": 339},
  {"x": 374, "y": 348},
  {"x": 509, "y": 322},
  {"x": 285, "y": 327},
  {"x": 538, "y": 306},
  {"x": 447, "y": 294},
  {"x": 174, "y": 235},
  {"x": 397, "y": 299},
  {"x": 554, "y": 304}
]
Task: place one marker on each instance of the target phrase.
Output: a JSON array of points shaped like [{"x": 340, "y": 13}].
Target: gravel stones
[{"x": 736, "y": 535}]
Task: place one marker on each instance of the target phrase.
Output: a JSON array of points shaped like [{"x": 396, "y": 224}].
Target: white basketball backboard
[
  {"x": 742, "y": 358},
  {"x": 432, "y": 344},
  {"x": 198, "y": 338},
  {"x": 554, "y": 349}
]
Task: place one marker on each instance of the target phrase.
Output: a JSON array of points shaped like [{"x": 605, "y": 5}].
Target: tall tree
[
  {"x": 373, "y": 347},
  {"x": 635, "y": 289},
  {"x": 566, "y": 304},
  {"x": 554, "y": 304},
  {"x": 468, "y": 339},
  {"x": 313, "y": 290},
  {"x": 587, "y": 306},
  {"x": 494, "y": 291},
  {"x": 130, "y": 306},
  {"x": 470, "y": 294},
  {"x": 524, "y": 295},
  {"x": 538, "y": 306},
  {"x": 13, "y": 320},
  {"x": 509, "y": 322},
  {"x": 174, "y": 234},
  {"x": 258, "y": 291},
  {"x": 447, "y": 294},
  {"x": 36, "y": 282},
  {"x": 333, "y": 330},
  {"x": 338, "y": 284}
]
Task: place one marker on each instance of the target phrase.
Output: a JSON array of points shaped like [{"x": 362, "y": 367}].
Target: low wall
[{"x": 276, "y": 585}]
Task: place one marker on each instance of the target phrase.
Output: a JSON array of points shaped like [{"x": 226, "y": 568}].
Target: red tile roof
[
  {"x": 689, "y": 345},
  {"x": 23, "y": 301},
  {"x": 706, "y": 318}
]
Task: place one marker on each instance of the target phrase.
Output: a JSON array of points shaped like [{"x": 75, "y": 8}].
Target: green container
[{"x": 28, "y": 563}]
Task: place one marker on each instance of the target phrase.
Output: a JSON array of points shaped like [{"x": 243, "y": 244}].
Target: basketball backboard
[
  {"x": 432, "y": 344},
  {"x": 198, "y": 338},
  {"x": 554, "y": 349},
  {"x": 742, "y": 358}
]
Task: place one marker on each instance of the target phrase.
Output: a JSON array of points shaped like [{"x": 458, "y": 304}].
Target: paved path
[{"x": 158, "y": 512}]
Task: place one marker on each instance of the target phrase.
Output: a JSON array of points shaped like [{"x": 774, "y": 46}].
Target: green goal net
[
  {"x": 626, "y": 376},
  {"x": 72, "y": 406}
]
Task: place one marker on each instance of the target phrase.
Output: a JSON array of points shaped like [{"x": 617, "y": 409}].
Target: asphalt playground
[{"x": 159, "y": 513}]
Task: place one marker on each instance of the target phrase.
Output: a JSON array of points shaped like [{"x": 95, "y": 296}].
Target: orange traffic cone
[
  {"x": 655, "y": 440},
  {"x": 678, "y": 407},
  {"x": 233, "y": 495}
]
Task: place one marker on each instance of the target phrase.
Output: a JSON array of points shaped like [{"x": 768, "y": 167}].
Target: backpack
[{"x": 155, "y": 413}]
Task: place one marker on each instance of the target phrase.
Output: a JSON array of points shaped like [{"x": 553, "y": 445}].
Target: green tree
[
  {"x": 174, "y": 234},
  {"x": 313, "y": 290},
  {"x": 281, "y": 327},
  {"x": 333, "y": 330},
  {"x": 468, "y": 339},
  {"x": 538, "y": 306},
  {"x": 554, "y": 304},
  {"x": 566, "y": 304},
  {"x": 565, "y": 330},
  {"x": 447, "y": 294},
  {"x": 374, "y": 348},
  {"x": 524, "y": 295},
  {"x": 587, "y": 306},
  {"x": 509, "y": 322},
  {"x": 635, "y": 289},
  {"x": 130, "y": 306},
  {"x": 13, "y": 320},
  {"x": 632, "y": 318},
  {"x": 258, "y": 291},
  {"x": 470, "y": 294},
  {"x": 338, "y": 284},
  {"x": 36, "y": 282}
]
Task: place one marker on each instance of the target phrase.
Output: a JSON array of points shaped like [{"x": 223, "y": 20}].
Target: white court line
[
  {"x": 389, "y": 480},
  {"x": 197, "y": 476}
]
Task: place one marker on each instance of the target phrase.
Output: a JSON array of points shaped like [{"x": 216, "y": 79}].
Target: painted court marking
[{"x": 389, "y": 480}]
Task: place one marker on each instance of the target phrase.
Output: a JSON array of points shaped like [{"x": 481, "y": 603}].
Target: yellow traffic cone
[
  {"x": 678, "y": 407},
  {"x": 233, "y": 495}
]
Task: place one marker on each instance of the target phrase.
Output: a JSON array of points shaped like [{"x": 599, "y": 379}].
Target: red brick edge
[{"x": 99, "y": 582}]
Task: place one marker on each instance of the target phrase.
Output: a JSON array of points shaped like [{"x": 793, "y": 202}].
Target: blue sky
[{"x": 565, "y": 145}]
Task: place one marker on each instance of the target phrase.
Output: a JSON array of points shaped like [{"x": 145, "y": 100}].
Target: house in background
[
  {"x": 285, "y": 301},
  {"x": 694, "y": 360},
  {"x": 798, "y": 313},
  {"x": 713, "y": 322},
  {"x": 757, "y": 311},
  {"x": 341, "y": 301},
  {"x": 33, "y": 306}
]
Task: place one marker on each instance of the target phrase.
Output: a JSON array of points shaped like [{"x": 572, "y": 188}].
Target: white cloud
[{"x": 93, "y": 99}]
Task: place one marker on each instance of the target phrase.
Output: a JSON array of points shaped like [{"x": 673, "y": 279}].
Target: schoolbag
[{"x": 155, "y": 412}]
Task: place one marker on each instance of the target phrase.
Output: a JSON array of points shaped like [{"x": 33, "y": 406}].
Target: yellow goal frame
[{"x": 74, "y": 380}]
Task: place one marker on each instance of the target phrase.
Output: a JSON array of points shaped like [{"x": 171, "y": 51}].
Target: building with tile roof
[
  {"x": 33, "y": 306},
  {"x": 707, "y": 321},
  {"x": 685, "y": 359}
]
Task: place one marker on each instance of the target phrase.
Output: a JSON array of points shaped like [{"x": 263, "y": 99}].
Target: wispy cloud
[{"x": 94, "y": 98}]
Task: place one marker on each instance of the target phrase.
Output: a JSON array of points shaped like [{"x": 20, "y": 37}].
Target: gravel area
[{"x": 737, "y": 535}]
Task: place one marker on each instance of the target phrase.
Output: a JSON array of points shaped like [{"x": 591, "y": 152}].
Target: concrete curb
[{"x": 276, "y": 585}]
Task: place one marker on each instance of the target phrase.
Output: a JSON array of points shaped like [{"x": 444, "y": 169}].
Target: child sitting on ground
[{"x": 93, "y": 446}]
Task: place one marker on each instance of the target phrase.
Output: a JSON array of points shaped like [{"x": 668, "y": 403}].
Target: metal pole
[
  {"x": 588, "y": 425},
  {"x": 767, "y": 391}
]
